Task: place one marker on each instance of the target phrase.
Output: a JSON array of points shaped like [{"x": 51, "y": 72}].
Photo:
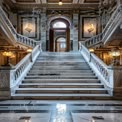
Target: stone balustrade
[
  {"x": 11, "y": 76},
  {"x": 110, "y": 27},
  {"x": 94, "y": 40},
  {"x": 109, "y": 75},
  {"x": 17, "y": 37}
]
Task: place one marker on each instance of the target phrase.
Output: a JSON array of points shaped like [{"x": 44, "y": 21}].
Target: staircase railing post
[
  {"x": 5, "y": 82},
  {"x": 117, "y": 81}
]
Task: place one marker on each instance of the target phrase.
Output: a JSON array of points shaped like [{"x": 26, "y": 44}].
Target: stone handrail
[
  {"x": 23, "y": 66},
  {"x": 103, "y": 71},
  {"x": 17, "y": 37},
  {"x": 112, "y": 18},
  {"x": 112, "y": 24}
]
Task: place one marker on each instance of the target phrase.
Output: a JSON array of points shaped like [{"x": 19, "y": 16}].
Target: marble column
[
  {"x": 43, "y": 30},
  {"x": 75, "y": 32},
  {"x": 5, "y": 78}
]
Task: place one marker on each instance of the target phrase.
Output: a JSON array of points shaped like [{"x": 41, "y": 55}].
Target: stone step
[
  {"x": 61, "y": 57},
  {"x": 60, "y": 68},
  {"x": 61, "y": 85},
  {"x": 59, "y": 53},
  {"x": 67, "y": 62},
  {"x": 61, "y": 77},
  {"x": 61, "y": 90},
  {"x": 60, "y": 71},
  {"x": 59, "y": 60},
  {"x": 61, "y": 63},
  {"x": 61, "y": 96},
  {"x": 60, "y": 74},
  {"x": 60, "y": 81}
]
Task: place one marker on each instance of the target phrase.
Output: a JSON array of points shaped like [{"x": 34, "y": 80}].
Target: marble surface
[
  {"x": 19, "y": 117},
  {"x": 60, "y": 111},
  {"x": 87, "y": 117}
]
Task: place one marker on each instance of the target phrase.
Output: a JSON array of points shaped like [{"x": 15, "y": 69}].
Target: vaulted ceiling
[{"x": 53, "y": 4}]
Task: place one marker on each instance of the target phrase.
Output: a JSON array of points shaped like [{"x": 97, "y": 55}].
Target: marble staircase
[{"x": 61, "y": 76}]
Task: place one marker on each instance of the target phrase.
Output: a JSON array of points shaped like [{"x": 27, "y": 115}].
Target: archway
[
  {"x": 60, "y": 44},
  {"x": 59, "y": 27}
]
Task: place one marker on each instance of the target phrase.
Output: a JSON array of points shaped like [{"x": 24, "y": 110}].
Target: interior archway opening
[{"x": 59, "y": 31}]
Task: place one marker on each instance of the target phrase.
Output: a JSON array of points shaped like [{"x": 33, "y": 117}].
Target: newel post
[
  {"x": 5, "y": 82},
  {"x": 117, "y": 81}
]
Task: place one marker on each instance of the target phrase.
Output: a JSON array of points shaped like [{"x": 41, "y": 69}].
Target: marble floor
[{"x": 60, "y": 111}]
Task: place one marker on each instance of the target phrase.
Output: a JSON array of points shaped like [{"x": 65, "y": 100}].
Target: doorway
[
  {"x": 59, "y": 35},
  {"x": 60, "y": 44}
]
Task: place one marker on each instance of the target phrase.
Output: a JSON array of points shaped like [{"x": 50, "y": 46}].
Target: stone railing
[
  {"x": 5, "y": 22},
  {"x": 10, "y": 77},
  {"x": 103, "y": 71},
  {"x": 25, "y": 40},
  {"x": 112, "y": 24},
  {"x": 23, "y": 66},
  {"x": 94, "y": 40},
  {"x": 114, "y": 21}
]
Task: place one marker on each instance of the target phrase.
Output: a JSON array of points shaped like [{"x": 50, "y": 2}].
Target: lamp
[
  {"x": 60, "y": 2},
  {"x": 8, "y": 54},
  {"x": 90, "y": 28},
  {"x": 29, "y": 50},
  {"x": 115, "y": 52},
  {"x": 91, "y": 50}
]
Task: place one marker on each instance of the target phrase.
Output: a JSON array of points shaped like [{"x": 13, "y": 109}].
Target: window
[
  {"x": 62, "y": 45},
  {"x": 59, "y": 25}
]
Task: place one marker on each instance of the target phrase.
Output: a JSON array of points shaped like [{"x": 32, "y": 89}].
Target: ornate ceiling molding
[{"x": 75, "y": 4}]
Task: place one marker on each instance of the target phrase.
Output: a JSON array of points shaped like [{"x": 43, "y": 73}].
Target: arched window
[{"x": 59, "y": 24}]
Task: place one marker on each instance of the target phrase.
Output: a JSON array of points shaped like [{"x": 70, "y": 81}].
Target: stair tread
[
  {"x": 62, "y": 76},
  {"x": 58, "y": 74},
  {"x": 35, "y": 89},
  {"x": 61, "y": 79},
  {"x": 104, "y": 95},
  {"x": 63, "y": 84}
]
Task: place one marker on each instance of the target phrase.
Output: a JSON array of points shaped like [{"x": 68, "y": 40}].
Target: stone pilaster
[
  {"x": 43, "y": 30},
  {"x": 5, "y": 78},
  {"x": 75, "y": 32}
]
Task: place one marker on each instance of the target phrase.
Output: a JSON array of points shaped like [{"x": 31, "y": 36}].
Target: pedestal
[
  {"x": 5, "y": 78},
  {"x": 117, "y": 78}
]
